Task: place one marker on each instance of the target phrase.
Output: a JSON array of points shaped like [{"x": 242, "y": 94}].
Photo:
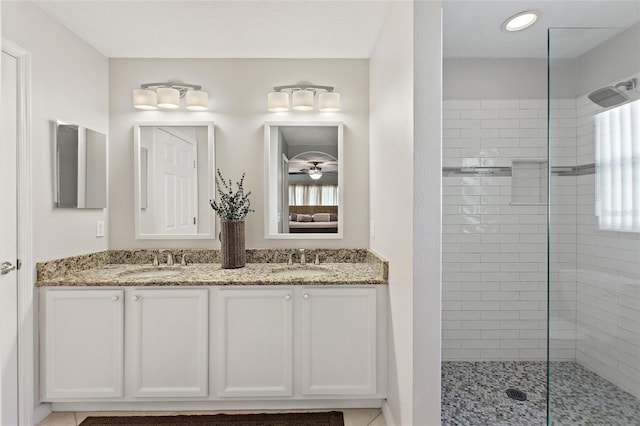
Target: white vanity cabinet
[
  {"x": 339, "y": 341},
  {"x": 255, "y": 335},
  {"x": 83, "y": 335},
  {"x": 213, "y": 347},
  {"x": 167, "y": 342},
  {"x": 336, "y": 332},
  {"x": 92, "y": 336}
]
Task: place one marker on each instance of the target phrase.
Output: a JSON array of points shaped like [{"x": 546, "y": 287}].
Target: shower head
[{"x": 612, "y": 95}]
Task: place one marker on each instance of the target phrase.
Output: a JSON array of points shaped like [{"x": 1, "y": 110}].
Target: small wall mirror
[
  {"x": 80, "y": 167},
  {"x": 303, "y": 180},
  {"x": 173, "y": 177}
]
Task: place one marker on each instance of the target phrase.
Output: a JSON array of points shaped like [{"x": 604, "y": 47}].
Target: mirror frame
[
  {"x": 269, "y": 203},
  {"x": 211, "y": 235}
]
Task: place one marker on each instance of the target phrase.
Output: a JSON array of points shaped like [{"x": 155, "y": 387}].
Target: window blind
[
  {"x": 313, "y": 195},
  {"x": 618, "y": 168}
]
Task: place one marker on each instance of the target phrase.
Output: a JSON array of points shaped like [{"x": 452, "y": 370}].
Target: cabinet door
[
  {"x": 167, "y": 340},
  {"x": 339, "y": 341},
  {"x": 82, "y": 343},
  {"x": 255, "y": 330}
]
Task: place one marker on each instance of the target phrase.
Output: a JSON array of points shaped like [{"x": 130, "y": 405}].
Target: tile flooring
[
  {"x": 352, "y": 416},
  {"x": 473, "y": 394}
]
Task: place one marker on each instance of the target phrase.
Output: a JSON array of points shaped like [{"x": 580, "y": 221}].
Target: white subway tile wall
[
  {"x": 608, "y": 279},
  {"x": 495, "y": 253}
]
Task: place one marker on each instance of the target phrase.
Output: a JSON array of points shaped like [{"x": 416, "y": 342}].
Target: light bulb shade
[
  {"x": 329, "y": 101},
  {"x": 302, "y": 100},
  {"x": 168, "y": 98},
  {"x": 145, "y": 99},
  {"x": 278, "y": 101},
  {"x": 315, "y": 175},
  {"x": 197, "y": 100}
]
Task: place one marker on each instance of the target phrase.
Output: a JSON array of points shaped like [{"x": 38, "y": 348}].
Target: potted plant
[{"x": 232, "y": 207}]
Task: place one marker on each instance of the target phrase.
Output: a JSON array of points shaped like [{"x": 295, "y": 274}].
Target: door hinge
[
  {"x": 194, "y": 220},
  {"x": 18, "y": 264}
]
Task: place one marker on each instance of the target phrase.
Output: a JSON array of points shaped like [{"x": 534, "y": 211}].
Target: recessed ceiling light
[{"x": 520, "y": 21}]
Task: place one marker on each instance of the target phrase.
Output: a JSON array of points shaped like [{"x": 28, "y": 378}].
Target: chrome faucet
[
  {"x": 183, "y": 262},
  {"x": 155, "y": 260},
  {"x": 169, "y": 258},
  {"x": 303, "y": 259}
]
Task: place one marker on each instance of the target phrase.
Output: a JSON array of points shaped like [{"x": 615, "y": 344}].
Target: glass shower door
[{"x": 594, "y": 226}]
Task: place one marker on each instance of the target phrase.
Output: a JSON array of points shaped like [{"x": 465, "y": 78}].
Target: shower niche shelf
[{"x": 529, "y": 179}]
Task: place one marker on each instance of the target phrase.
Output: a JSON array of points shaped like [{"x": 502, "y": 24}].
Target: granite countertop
[
  {"x": 263, "y": 267},
  {"x": 213, "y": 274}
]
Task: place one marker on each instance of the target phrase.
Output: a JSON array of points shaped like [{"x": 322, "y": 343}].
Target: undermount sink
[
  {"x": 300, "y": 272},
  {"x": 152, "y": 273}
]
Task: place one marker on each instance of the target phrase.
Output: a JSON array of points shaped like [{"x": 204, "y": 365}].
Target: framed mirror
[
  {"x": 174, "y": 165},
  {"x": 303, "y": 180},
  {"x": 80, "y": 167}
]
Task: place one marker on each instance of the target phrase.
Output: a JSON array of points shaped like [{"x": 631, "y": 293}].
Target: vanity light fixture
[
  {"x": 167, "y": 96},
  {"x": 521, "y": 20},
  {"x": 301, "y": 97}
]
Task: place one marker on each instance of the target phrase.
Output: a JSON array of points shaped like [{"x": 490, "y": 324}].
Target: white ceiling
[
  {"x": 223, "y": 29},
  {"x": 472, "y": 28},
  {"x": 322, "y": 28}
]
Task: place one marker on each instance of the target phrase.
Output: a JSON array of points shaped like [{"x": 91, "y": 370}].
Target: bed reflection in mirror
[
  {"x": 174, "y": 163},
  {"x": 304, "y": 180}
]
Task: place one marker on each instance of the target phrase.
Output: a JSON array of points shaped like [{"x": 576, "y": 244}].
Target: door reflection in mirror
[{"x": 174, "y": 164}]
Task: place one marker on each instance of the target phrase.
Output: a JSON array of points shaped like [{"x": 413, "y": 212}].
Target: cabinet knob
[
  {"x": 114, "y": 298},
  {"x": 135, "y": 298},
  {"x": 306, "y": 296},
  {"x": 287, "y": 297}
]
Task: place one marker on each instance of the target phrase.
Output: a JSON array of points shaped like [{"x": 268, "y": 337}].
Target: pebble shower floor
[{"x": 473, "y": 394}]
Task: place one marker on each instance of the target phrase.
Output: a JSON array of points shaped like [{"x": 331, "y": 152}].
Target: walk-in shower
[{"x": 541, "y": 236}]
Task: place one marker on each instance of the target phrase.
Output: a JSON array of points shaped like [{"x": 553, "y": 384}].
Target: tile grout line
[{"x": 374, "y": 419}]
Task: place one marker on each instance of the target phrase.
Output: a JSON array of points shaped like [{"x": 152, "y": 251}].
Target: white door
[
  {"x": 339, "y": 341},
  {"x": 176, "y": 183},
  {"x": 8, "y": 246},
  {"x": 82, "y": 343},
  {"x": 255, "y": 335},
  {"x": 168, "y": 342}
]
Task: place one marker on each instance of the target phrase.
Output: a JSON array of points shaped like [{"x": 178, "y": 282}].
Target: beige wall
[
  {"x": 405, "y": 122},
  {"x": 391, "y": 154},
  {"x": 427, "y": 216},
  {"x": 69, "y": 81},
  {"x": 238, "y": 90}
]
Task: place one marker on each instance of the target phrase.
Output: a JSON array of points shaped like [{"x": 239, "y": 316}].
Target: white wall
[
  {"x": 477, "y": 79},
  {"x": 607, "y": 275},
  {"x": 238, "y": 90},
  {"x": 595, "y": 68},
  {"x": 495, "y": 253},
  {"x": 69, "y": 81},
  {"x": 391, "y": 193},
  {"x": 427, "y": 222}
]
